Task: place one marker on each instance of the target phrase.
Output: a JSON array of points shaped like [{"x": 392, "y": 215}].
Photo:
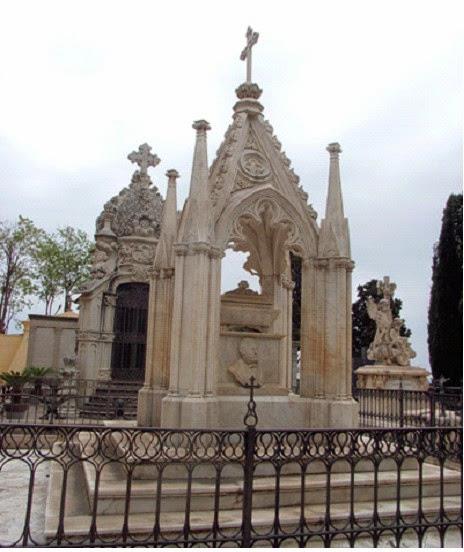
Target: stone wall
[{"x": 51, "y": 340}]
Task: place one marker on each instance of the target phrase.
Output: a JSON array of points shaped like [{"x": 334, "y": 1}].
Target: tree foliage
[
  {"x": 445, "y": 309},
  {"x": 63, "y": 264},
  {"x": 18, "y": 244},
  {"x": 363, "y": 325},
  {"x": 36, "y": 264}
]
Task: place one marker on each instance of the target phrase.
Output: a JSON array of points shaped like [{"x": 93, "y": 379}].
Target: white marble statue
[{"x": 389, "y": 347}]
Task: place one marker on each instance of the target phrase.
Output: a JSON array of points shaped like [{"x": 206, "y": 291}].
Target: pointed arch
[{"x": 303, "y": 233}]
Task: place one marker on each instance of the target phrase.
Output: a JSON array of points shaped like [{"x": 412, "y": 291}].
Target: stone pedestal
[
  {"x": 380, "y": 376},
  {"x": 189, "y": 412},
  {"x": 277, "y": 412},
  {"x": 149, "y": 406}
]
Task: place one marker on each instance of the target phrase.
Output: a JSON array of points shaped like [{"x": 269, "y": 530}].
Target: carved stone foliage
[
  {"x": 290, "y": 172},
  {"x": 136, "y": 210},
  {"x": 135, "y": 252},
  {"x": 248, "y": 90},
  {"x": 103, "y": 259},
  {"x": 221, "y": 165},
  {"x": 266, "y": 231}
]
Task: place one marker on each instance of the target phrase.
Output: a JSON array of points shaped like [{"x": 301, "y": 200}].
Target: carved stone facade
[
  {"x": 126, "y": 237},
  {"x": 203, "y": 346}
]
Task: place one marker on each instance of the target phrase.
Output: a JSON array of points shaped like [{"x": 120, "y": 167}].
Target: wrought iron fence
[
  {"x": 224, "y": 488},
  {"x": 406, "y": 408},
  {"x": 69, "y": 402}
]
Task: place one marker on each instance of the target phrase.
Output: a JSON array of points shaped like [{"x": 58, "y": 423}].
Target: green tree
[
  {"x": 445, "y": 308},
  {"x": 363, "y": 326},
  {"x": 63, "y": 264},
  {"x": 18, "y": 244},
  {"x": 47, "y": 271}
]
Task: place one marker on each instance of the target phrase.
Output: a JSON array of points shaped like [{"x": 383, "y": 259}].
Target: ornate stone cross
[
  {"x": 144, "y": 158},
  {"x": 386, "y": 287},
  {"x": 252, "y": 39}
]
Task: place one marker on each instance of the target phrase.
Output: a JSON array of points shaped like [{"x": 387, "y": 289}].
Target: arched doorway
[{"x": 130, "y": 332}]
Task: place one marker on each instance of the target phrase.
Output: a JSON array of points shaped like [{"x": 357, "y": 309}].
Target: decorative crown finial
[
  {"x": 334, "y": 148},
  {"x": 144, "y": 158},
  {"x": 201, "y": 126},
  {"x": 172, "y": 174}
]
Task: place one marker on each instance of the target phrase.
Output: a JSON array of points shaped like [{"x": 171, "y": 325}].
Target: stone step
[
  {"x": 172, "y": 523},
  {"x": 112, "y": 489},
  {"x": 146, "y": 445}
]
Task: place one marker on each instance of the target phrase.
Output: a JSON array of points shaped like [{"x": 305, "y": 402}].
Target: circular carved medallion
[{"x": 255, "y": 165}]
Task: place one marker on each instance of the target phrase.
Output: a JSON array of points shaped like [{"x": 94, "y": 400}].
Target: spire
[
  {"x": 334, "y": 238},
  {"x": 199, "y": 207},
  {"x": 164, "y": 257}
]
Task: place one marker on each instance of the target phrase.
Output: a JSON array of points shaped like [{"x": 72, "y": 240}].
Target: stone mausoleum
[{"x": 153, "y": 311}]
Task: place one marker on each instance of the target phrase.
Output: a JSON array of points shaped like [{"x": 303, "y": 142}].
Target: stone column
[{"x": 195, "y": 326}]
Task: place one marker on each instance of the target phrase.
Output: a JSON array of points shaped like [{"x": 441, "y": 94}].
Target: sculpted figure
[
  {"x": 400, "y": 348},
  {"x": 247, "y": 365},
  {"x": 143, "y": 254},
  {"x": 125, "y": 254},
  {"x": 388, "y": 347},
  {"x": 243, "y": 288},
  {"x": 103, "y": 261},
  {"x": 143, "y": 228}
]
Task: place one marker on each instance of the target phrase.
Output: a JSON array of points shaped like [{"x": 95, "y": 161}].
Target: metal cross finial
[
  {"x": 251, "y": 418},
  {"x": 144, "y": 158},
  {"x": 252, "y": 39}
]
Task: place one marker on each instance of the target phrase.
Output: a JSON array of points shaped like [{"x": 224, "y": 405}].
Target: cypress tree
[{"x": 445, "y": 309}]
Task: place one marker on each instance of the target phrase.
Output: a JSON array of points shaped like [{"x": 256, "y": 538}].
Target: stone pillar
[
  {"x": 160, "y": 307},
  {"x": 194, "y": 354},
  {"x": 195, "y": 324}
]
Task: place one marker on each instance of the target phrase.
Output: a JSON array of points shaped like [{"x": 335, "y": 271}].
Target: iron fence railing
[
  {"x": 69, "y": 402},
  {"x": 407, "y": 408},
  {"x": 227, "y": 488}
]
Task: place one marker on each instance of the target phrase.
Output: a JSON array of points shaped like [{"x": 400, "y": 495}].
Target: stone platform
[
  {"x": 382, "y": 376},
  {"x": 149, "y": 499}
]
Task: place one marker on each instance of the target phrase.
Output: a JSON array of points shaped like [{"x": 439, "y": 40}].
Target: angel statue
[
  {"x": 388, "y": 347},
  {"x": 381, "y": 314}
]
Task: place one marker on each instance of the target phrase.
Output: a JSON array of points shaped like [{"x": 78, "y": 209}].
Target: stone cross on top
[
  {"x": 144, "y": 158},
  {"x": 386, "y": 287},
  {"x": 252, "y": 39}
]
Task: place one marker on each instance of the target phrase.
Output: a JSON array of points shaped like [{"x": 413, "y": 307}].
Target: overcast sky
[{"x": 82, "y": 84}]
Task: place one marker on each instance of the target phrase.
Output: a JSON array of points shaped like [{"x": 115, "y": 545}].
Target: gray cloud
[{"x": 80, "y": 92}]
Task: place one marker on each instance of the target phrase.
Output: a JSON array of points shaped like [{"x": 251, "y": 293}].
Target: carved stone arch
[
  {"x": 129, "y": 278},
  {"x": 303, "y": 236}
]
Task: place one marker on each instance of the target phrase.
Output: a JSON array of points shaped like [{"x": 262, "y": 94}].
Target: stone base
[
  {"x": 276, "y": 412},
  {"x": 189, "y": 412},
  {"x": 380, "y": 376},
  {"x": 149, "y": 406}
]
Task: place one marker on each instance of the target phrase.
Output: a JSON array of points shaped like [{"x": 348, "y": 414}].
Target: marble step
[
  {"x": 172, "y": 523},
  {"x": 112, "y": 489},
  {"x": 146, "y": 444}
]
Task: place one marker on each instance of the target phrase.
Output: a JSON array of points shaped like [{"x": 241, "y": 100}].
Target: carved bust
[{"x": 247, "y": 364}]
